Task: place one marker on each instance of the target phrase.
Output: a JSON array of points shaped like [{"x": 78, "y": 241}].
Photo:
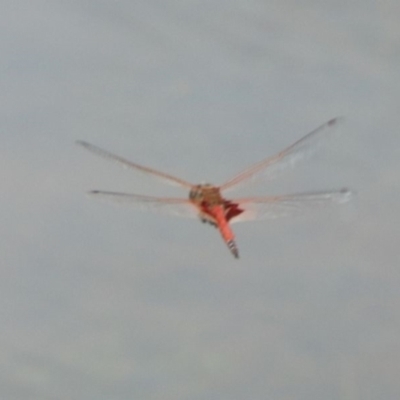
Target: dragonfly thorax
[{"x": 205, "y": 193}]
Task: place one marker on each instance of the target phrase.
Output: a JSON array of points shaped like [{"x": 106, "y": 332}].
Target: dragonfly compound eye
[{"x": 196, "y": 194}]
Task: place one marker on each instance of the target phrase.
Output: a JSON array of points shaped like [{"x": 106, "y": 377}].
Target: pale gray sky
[{"x": 101, "y": 302}]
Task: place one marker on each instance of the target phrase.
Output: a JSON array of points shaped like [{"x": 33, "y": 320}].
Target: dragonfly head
[
  {"x": 196, "y": 193},
  {"x": 205, "y": 192}
]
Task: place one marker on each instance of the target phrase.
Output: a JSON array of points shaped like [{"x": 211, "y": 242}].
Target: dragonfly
[{"x": 209, "y": 203}]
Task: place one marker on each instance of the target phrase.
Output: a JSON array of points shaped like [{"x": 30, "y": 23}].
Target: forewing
[
  {"x": 258, "y": 208},
  {"x": 128, "y": 164},
  {"x": 172, "y": 206},
  {"x": 287, "y": 157}
]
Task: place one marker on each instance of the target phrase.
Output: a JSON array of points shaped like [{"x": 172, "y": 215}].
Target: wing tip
[
  {"x": 86, "y": 145},
  {"x": 335, "y": 121},
  {"x": 345, "y": 195}
]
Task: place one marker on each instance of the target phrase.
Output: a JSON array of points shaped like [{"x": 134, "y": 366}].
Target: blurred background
[{"x": 103, "y": 302}]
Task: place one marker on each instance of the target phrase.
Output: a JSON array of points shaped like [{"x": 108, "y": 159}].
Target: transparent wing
[
  {"x": 178, "y": 207},
  {"x": 128, "y": 164},
  {"x": 285, "y": 158},
  {"x": 270, "y": 207}
]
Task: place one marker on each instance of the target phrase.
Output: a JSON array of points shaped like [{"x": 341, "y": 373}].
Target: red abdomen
[{"x": 224, "y": 228}]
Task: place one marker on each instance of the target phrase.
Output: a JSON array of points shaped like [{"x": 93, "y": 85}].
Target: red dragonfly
[{"x": 207, "y": 202}]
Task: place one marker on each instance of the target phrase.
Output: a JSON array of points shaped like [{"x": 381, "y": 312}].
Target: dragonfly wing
[
  {"x": 128, "y": 164},
  {"x": 172, "y": 206},
  {"x": 287, "y": 157},
  {"x": 270, "y": 207}
]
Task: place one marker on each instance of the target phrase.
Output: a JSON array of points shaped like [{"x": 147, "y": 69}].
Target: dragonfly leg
[{"x": 208, "y": 221}]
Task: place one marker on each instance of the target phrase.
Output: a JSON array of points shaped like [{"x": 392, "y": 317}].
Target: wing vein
[
  {"x": 129, "y": 164},
  {"x": 286, "y": 157},
  {"x": 270, "y": 207},
  {"x": 167, "y": 205}
]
